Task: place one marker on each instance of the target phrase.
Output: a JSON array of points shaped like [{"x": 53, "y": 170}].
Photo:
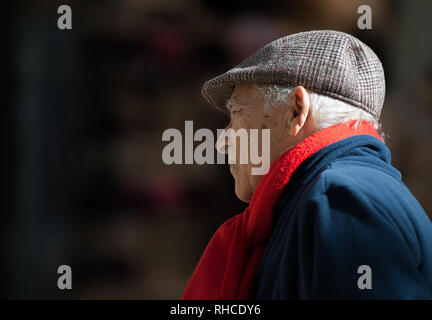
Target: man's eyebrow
[{"x": 229, "y": 103}]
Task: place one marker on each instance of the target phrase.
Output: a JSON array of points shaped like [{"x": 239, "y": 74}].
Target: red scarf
[{"x": 229, "y": 264}]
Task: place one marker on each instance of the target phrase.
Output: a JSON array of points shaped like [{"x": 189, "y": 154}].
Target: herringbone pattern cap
[{"x": 332, "y": 63}]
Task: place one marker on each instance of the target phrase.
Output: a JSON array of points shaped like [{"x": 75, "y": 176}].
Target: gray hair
[{"x": 325, "y": 111}]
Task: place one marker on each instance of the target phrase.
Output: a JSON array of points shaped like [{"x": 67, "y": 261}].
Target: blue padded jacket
[{"x": 347, "y": 227}]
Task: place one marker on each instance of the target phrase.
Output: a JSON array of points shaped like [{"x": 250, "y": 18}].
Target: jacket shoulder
[
  {"x": 365, "y": 189},
  {"x": 365, "y": 197}
]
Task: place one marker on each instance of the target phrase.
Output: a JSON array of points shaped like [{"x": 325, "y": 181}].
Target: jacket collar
[{"x": 364, "y": 148}]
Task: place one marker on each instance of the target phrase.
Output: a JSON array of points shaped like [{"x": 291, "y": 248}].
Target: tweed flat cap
[{"x": 328, "y": 62}]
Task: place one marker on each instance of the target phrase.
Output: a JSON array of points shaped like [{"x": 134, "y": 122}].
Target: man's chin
[{"x": 242, "y": 194}]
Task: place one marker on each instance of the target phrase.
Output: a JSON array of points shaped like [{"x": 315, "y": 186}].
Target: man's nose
[{"x": 222, "y": 142}]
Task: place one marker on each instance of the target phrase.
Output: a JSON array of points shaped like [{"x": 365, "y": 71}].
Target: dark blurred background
[{"x": 83, "y": 112}]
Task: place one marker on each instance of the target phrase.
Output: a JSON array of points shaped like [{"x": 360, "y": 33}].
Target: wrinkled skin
[{"x": 289, "y": 123}]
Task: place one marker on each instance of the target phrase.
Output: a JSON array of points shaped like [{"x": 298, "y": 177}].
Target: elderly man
[{"x": 332, "y": 218}]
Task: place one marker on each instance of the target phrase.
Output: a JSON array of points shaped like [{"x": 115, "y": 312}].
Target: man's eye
[{"x": 235, "y": 111}]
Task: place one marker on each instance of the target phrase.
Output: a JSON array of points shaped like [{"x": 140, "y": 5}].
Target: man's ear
[{"x": 299, "y": 111}]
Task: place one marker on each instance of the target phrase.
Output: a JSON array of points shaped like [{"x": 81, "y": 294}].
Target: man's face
[{"x": 247, "y": 112}]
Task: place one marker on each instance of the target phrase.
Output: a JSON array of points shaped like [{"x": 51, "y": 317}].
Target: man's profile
[{"x": 331, "y": 203}]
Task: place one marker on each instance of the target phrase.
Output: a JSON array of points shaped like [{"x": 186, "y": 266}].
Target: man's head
[
  {"x": 290, "y": 113},
  {"x": 295, "y": 86}
]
